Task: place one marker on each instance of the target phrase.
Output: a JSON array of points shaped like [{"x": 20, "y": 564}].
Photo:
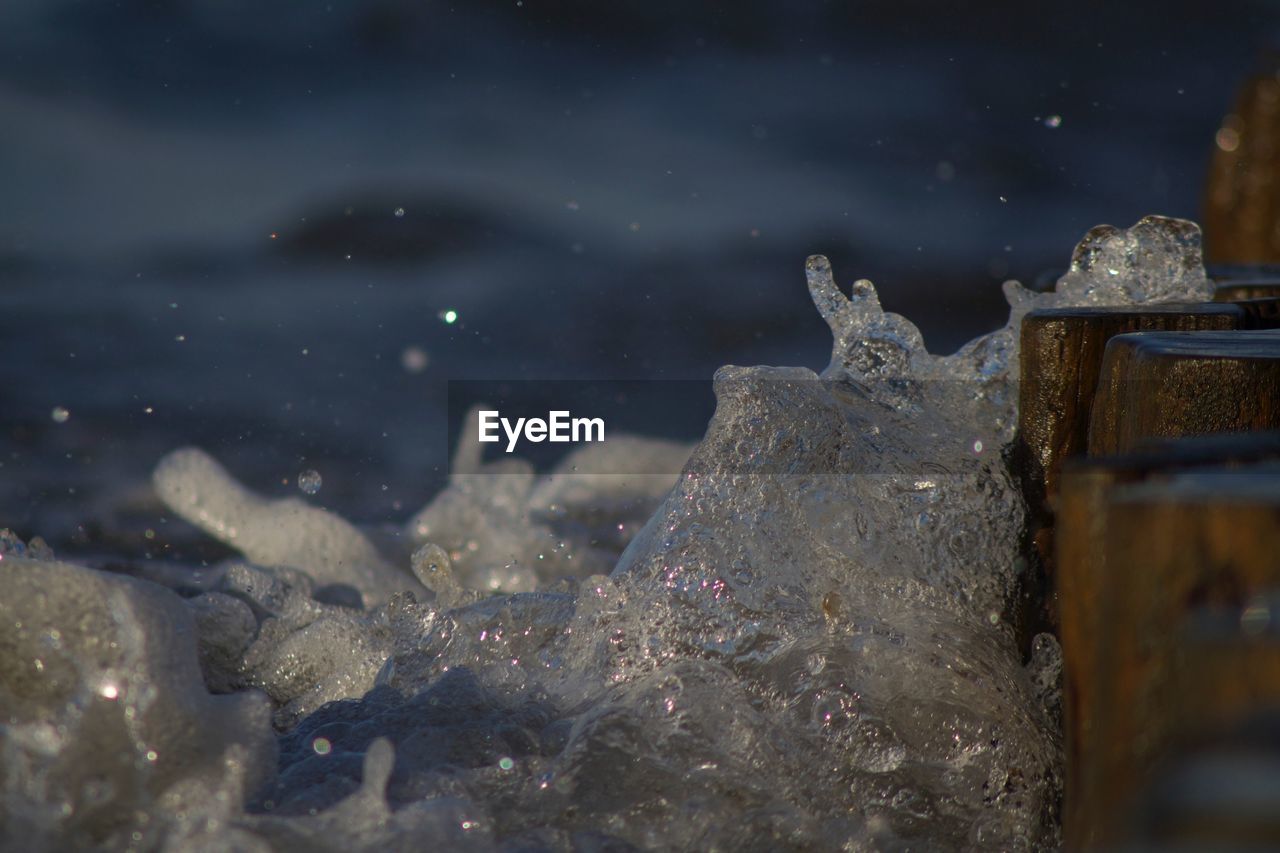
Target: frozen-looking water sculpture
[{"x": 810, "y": 644}]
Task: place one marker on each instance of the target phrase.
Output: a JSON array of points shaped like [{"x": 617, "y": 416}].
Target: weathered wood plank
[
  {"x": 1061, "y": 355},
  {"x": 1169, "y": 384},
  {"x": 1082, "y": 577},
  {"x": 1208, "y": 538}
]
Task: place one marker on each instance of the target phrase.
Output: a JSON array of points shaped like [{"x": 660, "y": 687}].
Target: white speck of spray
[
  {"x": 1053, "y": 121},
  {"x": 60, "y": 414},
  {"x": 414, "y": 359}
]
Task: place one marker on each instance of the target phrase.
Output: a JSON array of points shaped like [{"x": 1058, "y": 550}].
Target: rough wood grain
[
  {"x": 1169, "y": 384},
  {"x": 1060, "y": 358}
]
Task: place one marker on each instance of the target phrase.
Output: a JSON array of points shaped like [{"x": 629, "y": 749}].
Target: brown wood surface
[
  {"x": 1227, "y": 665},
  {"x": 1251, "y": 288},
  {"x": 1242, "y": 201},
  {"x": 1206, "y": 794},
  {"x": 1060, "y": 358},
  {"x": 1082, "y": 576},
  {"x": 1261, "y": 313},
  {"x": 1168, "y": 384},
  {"x": 1259, "y": 298},
  {"x": 1205, "y": 539}
]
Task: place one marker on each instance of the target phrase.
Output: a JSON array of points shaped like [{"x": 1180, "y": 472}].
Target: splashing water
[{"x": 812, "y": 643}]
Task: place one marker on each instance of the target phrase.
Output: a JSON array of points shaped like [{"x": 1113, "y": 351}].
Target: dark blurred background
[{"x": 277, "y": 229}]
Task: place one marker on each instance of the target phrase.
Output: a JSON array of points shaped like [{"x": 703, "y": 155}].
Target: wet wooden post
[
  {"x": 1259, "y": 298},
  {"x": 1224, "y": 698},
  {"x": 1082, "y": 576},
  {"x": 1242, "y": 208},
  {"x": 1239, "y": 290},
  {"x": 1228, "y": 663},
  {"x": 1206, "y": 795},
  {"x": 1262, "y": 313},
  {"x": 1168, "y": 384},
  {"x": 1061, "y": 355},
  {"x": 1201, "y": 539}
]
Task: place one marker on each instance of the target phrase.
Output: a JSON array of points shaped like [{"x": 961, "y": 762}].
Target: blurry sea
[{"x": 278, "y": 232}]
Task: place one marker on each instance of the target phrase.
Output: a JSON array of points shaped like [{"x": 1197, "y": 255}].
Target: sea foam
[{"x": 813, "y": 642}]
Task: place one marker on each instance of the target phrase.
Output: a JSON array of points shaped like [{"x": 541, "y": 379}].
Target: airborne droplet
[
  {"x": 414, "y": 359},
  {"x": 309, "y": 481}
]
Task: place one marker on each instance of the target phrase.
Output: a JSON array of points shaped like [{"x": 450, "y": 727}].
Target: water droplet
[
  {"x": 1053, "y": 121},
  {"x": 506, "y": 763},
  {"x": 322, "y": 746},
  {"x": 1255, "y": 619},
  {"x": 60, "y": 415},
  {"x": 831, "y": 708},
  {"x": 414, "y": 359},
  {"x": 449, "y": 316},
  {"x": 309, "y": 481},
  {"x": 399, "y": 212}
]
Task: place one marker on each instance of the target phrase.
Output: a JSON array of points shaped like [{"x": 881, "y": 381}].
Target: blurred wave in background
[{"x": 277, "y": 230}]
